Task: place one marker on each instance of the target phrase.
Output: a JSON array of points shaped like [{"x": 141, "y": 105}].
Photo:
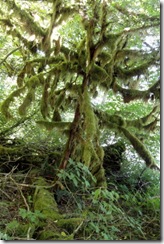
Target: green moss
[
  {"x": 44, "y": 201},
  {"x": 100, "y": 152},
  {"x": 30, "y": 97},
  {"x": 87, "y": 153},
  {"x": 98, "y": 74},
  {"x": 140, "y": 148},
  {"x": 90, "y": 129},
  {"x": 49, "y": 125},
  {"x": 54, "y": 226},
  {"x": 69, "y": 224},
  {"x": 92, "y": 153},
  {"x": 54, "y": 235},
  {"x": 33, "y": 82},
  {"x": 5, "y": 105},
  {"x": 44, "y": 104},
  {"x": 7, "y": 150},
  {"x": 90, "y": 121},
  {"x": 100, "y": 177}
]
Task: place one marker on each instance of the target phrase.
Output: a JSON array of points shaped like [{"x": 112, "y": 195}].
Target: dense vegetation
[{"x": 80, "y": 120}]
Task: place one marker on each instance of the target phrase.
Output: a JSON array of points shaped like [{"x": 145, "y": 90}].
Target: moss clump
[
  {"x": 55, "y": 227},
  {"x": 52, "y": 235},
  {"x": 44, "y": 201}
]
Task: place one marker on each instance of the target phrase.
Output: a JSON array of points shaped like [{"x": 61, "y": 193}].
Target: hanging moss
[
  {"x": 51, "y": 125},
  {"x": 5, "y": 105},
  {"x": 28, "y": 21},
  {"x": 59, "y": 100},
  {"x": 104, "y": 58},
  {"x": 44, "y": 106},
  {"x": 33, "y": 82},
  {"x": 98, "y": 74},
  {"x": 75, "y": 90},
  {"x": 30, "y": 97},
  {"x": 131, "y": 94}
]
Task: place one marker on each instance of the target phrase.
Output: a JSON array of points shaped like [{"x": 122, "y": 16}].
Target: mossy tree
[{"x": 70, "y": 51}]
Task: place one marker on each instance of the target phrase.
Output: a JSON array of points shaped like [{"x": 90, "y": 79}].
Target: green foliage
[
  {"x": 32, "y": 217},
  {"x": 4, "y": 237},
  {"x": 77, "y": 180},
  {"x": 113, "y": 214},
  {"x": 76, "y": 175},
  {"x": 12, "y": 226},
  {"x": 101, "y": 214}
]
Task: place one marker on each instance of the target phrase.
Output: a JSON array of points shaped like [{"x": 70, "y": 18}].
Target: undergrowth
[{"x": 129, "y": 209}]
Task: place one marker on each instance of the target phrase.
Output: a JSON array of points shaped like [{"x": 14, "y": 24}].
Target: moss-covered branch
[
  {"x": 135, "y": 55},
  {"x": 140, "y": 148},
  {"x": 132, "y": 94},
  {"x": 125, "y": 12},
  {"x": 117, "y": 123},
  {"x": 147, "y": 122},
  {"x": 27, "y": 20},
  {"x": 51, "y": 125},
  {"x": 30, "y": 45},
  {"x": 5, "y": 105},
  {"x": 128, "y": 73}
]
